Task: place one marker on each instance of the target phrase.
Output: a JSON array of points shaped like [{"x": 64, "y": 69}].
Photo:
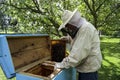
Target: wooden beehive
[
  {"x": 22, "y": 56},
  {"x": 27, "y": 50}
]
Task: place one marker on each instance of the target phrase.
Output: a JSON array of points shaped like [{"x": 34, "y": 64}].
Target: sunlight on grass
[
  {"x": 113, "y": 60},
  {"x": 3, "y": 77},
  {"x": 110, "y": 69},
  {"x": 112, "y": 40}
]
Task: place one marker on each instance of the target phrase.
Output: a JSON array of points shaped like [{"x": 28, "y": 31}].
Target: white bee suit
[{"x": 85, "y": 54}]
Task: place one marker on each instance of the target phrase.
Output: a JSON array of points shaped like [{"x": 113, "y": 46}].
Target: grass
[
  {"x": 110, "y": 69},
  {"x": 2, "y": 76}
]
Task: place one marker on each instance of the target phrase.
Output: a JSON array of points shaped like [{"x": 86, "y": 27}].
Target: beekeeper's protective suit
[{"x": 85, "y": 54}]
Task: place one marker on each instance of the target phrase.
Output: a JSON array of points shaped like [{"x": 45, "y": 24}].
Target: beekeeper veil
[{"x": 72, "y": 18}]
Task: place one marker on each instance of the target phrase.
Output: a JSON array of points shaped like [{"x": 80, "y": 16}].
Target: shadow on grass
[
  {"x": 111, "y": 71},
  {"x": 110, "y": 49}
]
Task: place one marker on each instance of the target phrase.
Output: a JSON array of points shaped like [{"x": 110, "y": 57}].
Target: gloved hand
[
  {"x": 51, "y": 65},
  {"x": 67, "y": 38},
  {"x": 57, "y": 66}
]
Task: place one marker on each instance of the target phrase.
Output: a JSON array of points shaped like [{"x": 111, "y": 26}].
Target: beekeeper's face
[{"x": 71, "y": 30}]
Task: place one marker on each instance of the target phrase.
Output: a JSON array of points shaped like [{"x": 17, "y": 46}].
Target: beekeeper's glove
[
  {"x": 61, "y": 65},
  {"x": 67, "y": 38}
]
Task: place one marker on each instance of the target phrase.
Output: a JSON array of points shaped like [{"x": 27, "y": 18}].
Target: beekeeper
[{"x": 85, "y": 54}]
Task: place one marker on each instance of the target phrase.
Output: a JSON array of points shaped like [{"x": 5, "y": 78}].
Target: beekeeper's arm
[{"x": 80, "y": 49}]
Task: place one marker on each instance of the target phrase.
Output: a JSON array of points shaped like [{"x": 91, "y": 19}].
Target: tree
[
  {"x": 44, "y": 16},
  {"x": 104, "y": 14},
  {"x": 35, "y": 16}
]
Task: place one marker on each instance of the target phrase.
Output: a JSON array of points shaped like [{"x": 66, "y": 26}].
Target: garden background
[{"x": 44, "y": 16}]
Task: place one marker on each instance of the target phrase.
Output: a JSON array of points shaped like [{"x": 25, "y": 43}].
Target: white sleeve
[{"x": 80, "y": 49}]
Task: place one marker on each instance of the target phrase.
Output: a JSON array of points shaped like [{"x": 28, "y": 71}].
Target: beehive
[{"x": 21, "y": 56}]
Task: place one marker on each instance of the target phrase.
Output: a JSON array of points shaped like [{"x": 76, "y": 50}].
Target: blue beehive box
[{"x": 22, "y": 55}]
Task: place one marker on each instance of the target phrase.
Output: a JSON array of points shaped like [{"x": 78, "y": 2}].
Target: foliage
[
  {"x": 44, "y": 16},
  {"x": 104, "y": 14}
]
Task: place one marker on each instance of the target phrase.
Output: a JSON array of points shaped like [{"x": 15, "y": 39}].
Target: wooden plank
[
  {"x": 28, "y": 57},
  {"x": 32, "y": 64},
  {"x": 27, "y": 50},
  {"x": 22, "y": 44}
]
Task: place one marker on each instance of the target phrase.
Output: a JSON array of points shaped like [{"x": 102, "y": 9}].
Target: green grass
[
  {"x": 110, "y": 69},
  {"x": 2, "y": 76}
]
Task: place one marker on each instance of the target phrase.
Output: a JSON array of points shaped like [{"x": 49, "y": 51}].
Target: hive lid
[{"x": 17, "y": 51}]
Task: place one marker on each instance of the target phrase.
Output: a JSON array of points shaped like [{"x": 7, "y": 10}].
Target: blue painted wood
[
  {"x": 5, "y": 59},
  {"x": 66, "y": 74},
  {"x": 26, "y": 77},
  {"x": 19, "y": 35}
]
